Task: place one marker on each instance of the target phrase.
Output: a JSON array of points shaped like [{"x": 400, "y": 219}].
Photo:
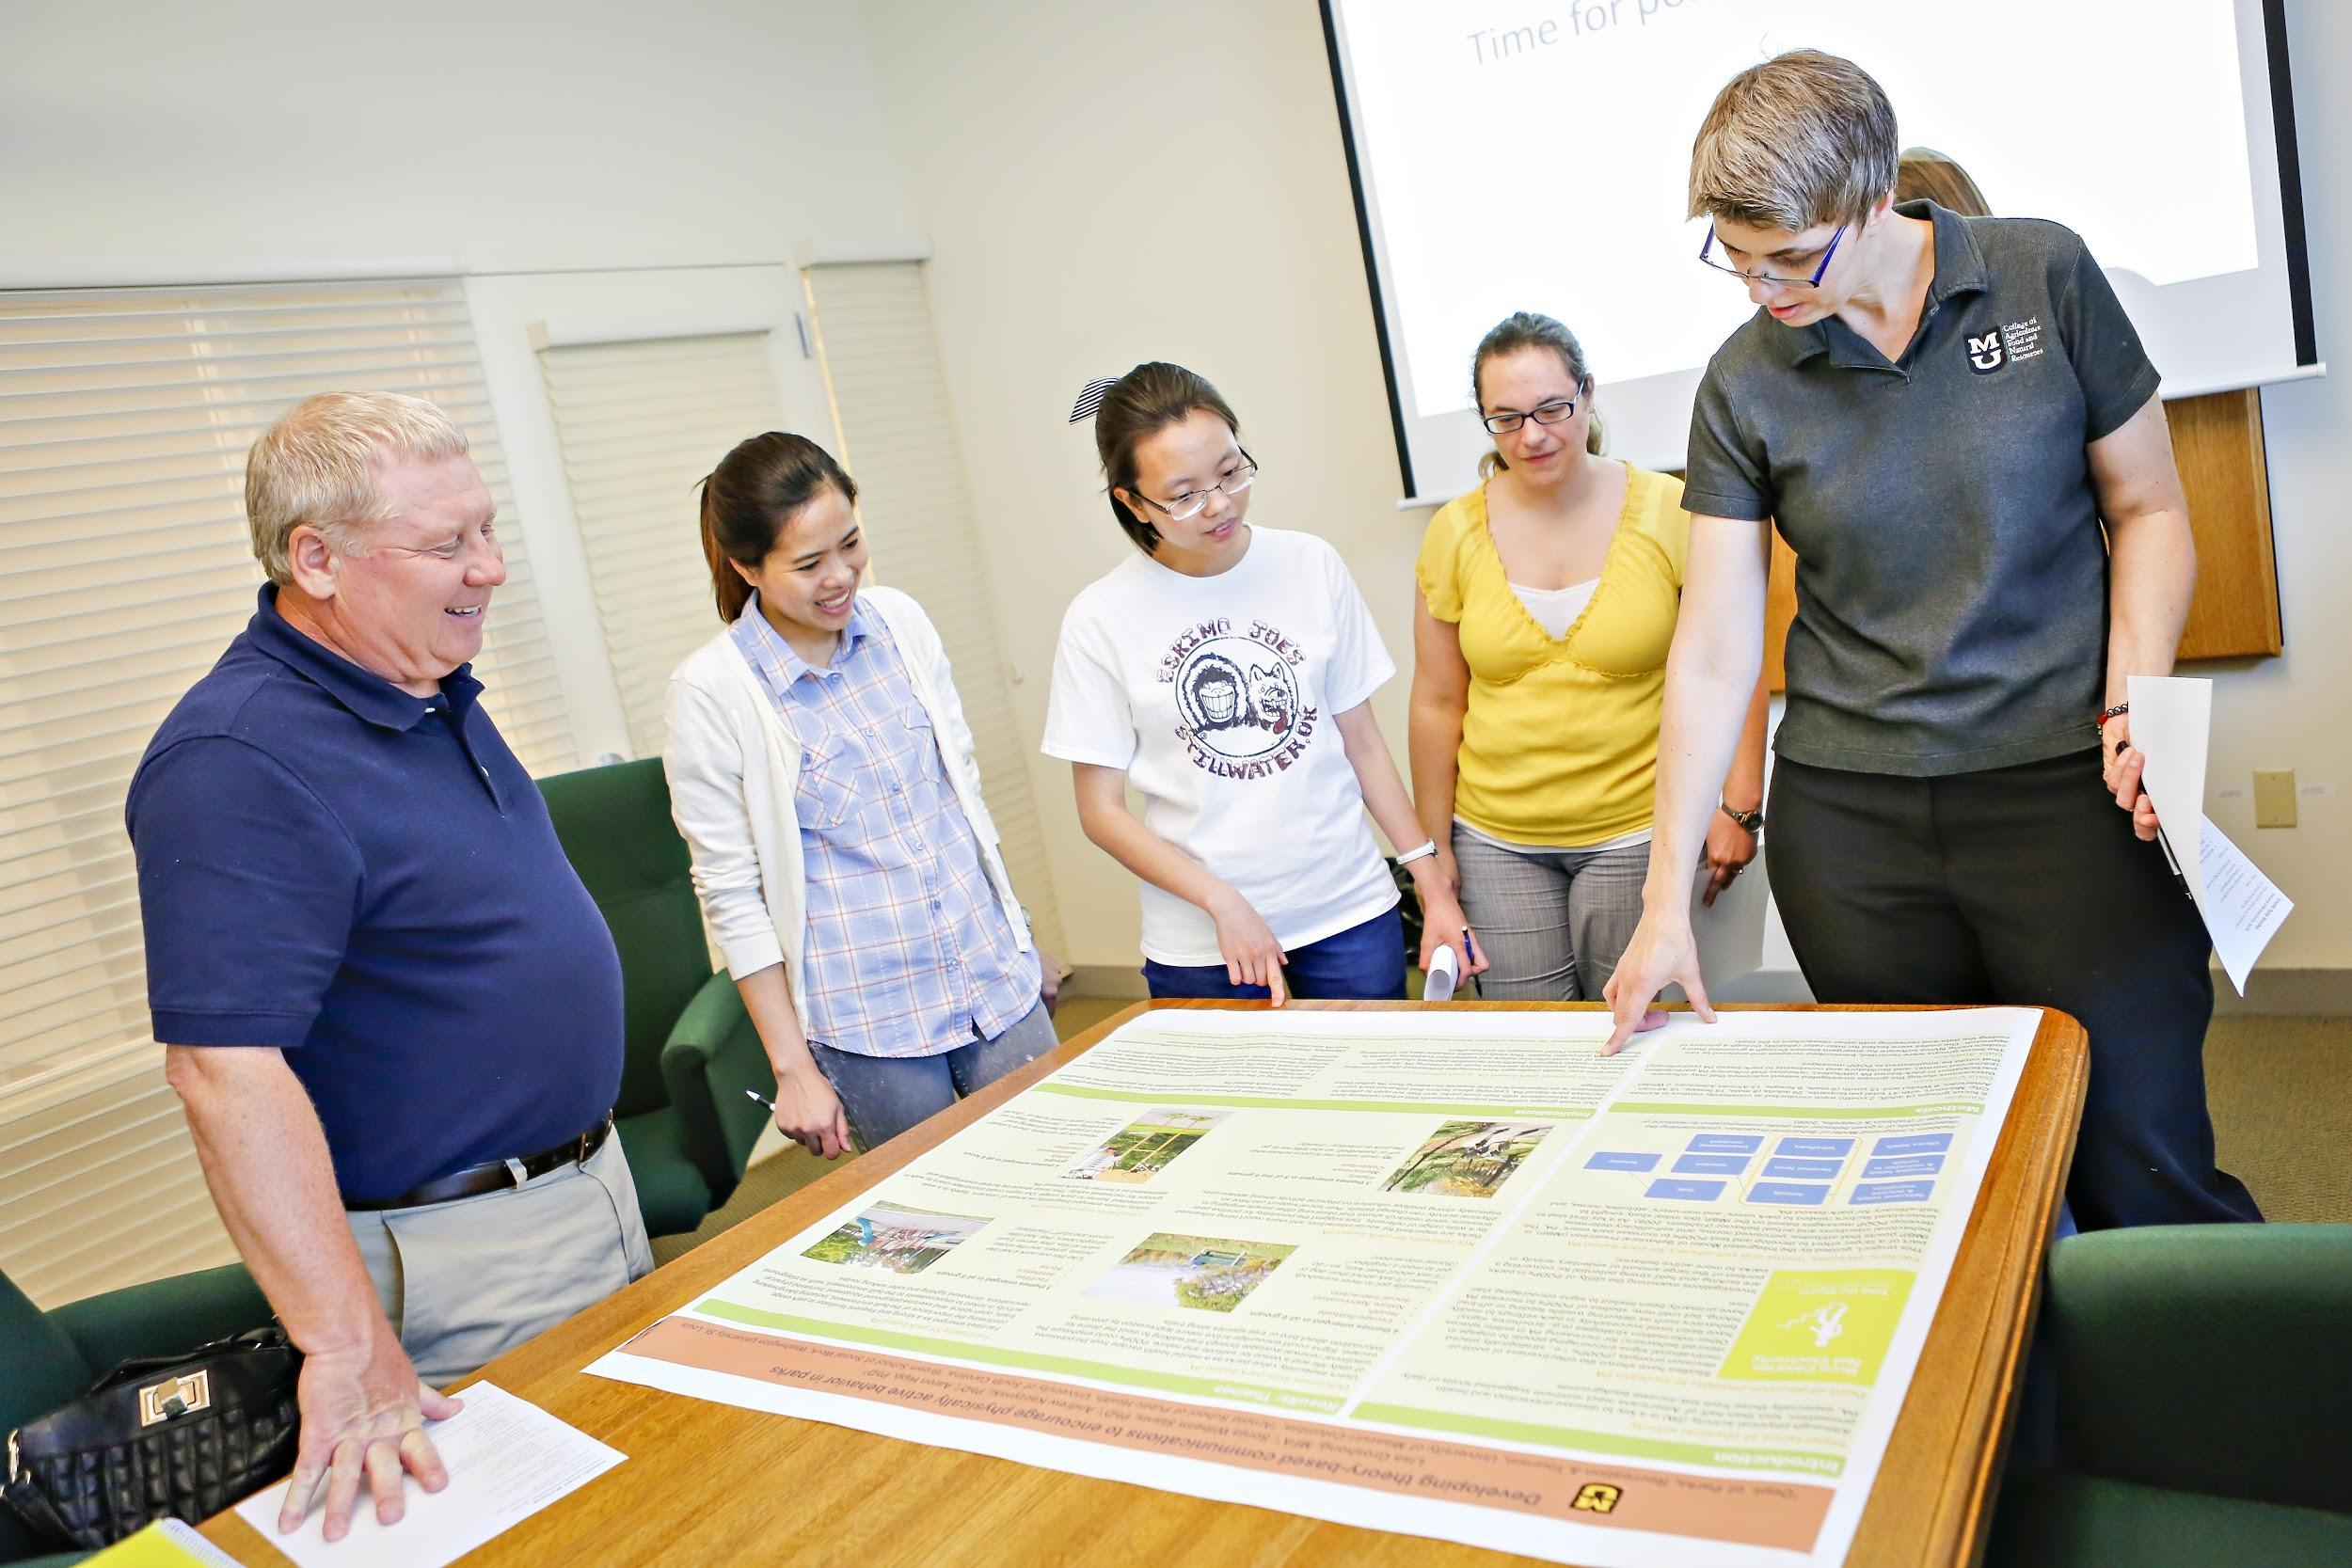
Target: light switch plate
[{"x": 2274, "y": 798}]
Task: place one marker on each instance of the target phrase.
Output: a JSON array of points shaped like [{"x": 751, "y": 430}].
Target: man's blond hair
[
  {"x": 1804, "y": 138},
  {"x": 317, "y": 466}
]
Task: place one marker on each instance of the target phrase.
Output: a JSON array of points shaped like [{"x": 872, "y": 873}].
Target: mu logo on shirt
[{"x": 2009, "y": 343}]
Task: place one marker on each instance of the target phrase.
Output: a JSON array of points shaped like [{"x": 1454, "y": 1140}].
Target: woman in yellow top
[{"x": 1547, "y": 603}]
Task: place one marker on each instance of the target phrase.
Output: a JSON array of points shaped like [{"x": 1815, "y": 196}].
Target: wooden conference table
[{"x": 714, "y": 1484}]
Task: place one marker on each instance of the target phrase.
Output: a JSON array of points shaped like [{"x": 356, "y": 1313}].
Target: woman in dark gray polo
[{"x": 1938, "y": 413}]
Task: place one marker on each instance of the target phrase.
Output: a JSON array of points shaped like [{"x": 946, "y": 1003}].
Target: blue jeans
[
  {"x": 1363, "y": 963},
  {"x": 883, "y": 1096}
]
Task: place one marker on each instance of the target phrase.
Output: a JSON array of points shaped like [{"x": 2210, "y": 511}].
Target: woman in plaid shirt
[{"x": 822, "y": 773}]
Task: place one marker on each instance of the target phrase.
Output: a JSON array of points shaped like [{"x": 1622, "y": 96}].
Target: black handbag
[{"x": 178, "y": 1436}]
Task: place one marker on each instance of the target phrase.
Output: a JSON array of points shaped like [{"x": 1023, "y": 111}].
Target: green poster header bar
[
  {"x": 1266, "y": 1102},
  {"x": 1795, "y": 1113},
  {"x": 1616, "y": 1444}
]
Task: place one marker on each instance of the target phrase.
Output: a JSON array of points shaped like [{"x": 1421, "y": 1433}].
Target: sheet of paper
[
  {"x": 2171, "y": 725},
  {"x": 2171, "y": 721},
  {"x": 1445, "y": 1273},
  {"x": 1730, "y": 932},
  {"x": 507, "y": 1458},
  {"x": 2242, "y": 908}
]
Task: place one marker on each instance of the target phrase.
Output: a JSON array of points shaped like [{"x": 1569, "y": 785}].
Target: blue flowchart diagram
[{"x": 1798, "y": 1171}]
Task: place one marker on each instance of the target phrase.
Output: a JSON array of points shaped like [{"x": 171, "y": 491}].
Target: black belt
[{"x": 497, "y": 1176}]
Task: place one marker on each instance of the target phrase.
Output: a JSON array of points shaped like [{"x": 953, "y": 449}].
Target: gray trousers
[
  {"x": 1551, "y": 923},
  {"x": 464, "y": 1282}
]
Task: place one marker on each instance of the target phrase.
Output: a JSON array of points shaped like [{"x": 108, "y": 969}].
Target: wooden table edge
[{"x": 1949, "y": 1530}]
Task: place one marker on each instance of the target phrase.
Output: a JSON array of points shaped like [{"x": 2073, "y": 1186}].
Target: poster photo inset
[
  {"x": 901, "y": 1240},
  {"x": 1207, "y": 1274},
  {"x": 1144, "y": 1147},
  {"x": 1468, "y": 1159}
]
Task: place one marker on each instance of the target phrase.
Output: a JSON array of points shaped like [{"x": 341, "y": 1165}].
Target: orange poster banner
[{"x": 1746, "y": 1512}]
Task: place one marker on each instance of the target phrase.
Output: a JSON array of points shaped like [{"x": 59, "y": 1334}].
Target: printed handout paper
[
  {"x": 1450, "y": 1272},
  {"x": 2242, "y": 908},
  {"x": 507, "y": 1458}
]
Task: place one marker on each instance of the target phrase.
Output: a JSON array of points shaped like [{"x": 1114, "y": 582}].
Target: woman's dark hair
[
  {"x": 1526, "y": 329},
  {"x": 1926, "y": 172},
  {"x": 1141, "y": 404},
  {"x": 749, "y": 499}
]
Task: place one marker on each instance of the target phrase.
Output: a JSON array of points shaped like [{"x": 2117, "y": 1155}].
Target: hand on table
[
  {"x": 1252, "y": 956},
  {"x": 363, "y": 1413},
  {"x": 1660, "y": 953}
]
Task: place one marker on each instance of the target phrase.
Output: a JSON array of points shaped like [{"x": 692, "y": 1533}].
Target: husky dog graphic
[
  {"x": 1239, "y": 706},
  {"x": 1271, "y": 697}
]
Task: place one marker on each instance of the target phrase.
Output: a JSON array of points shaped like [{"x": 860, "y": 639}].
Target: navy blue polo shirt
[
  {"x": 369, "y": 881},
  {"x": 1952, "y": 568}
]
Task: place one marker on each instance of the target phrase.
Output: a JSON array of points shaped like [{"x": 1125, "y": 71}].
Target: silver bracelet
[{"x": 1428, "y": 846}]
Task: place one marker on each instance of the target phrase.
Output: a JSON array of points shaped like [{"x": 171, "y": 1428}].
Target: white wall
[
  {"x": 1165, "y": 181},
  {"x": 1132, "y": 183},
  {"x": 593, "y": 163},
  {"x": 516, "y": 134},
  {"x": 2292, "y": 711}
]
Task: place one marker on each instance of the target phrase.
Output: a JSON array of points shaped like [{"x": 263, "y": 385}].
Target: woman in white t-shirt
[{"x": 1224, "y": 673}]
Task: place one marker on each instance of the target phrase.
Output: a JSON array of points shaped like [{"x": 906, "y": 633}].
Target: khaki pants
[{"x": 464, "y": 1282}]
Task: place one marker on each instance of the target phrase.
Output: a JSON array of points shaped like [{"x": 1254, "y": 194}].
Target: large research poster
[{"x": 1445, "y": 1273}]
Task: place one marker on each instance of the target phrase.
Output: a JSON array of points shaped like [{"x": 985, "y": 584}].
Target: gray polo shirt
[{"x": 1951, "y": 569}]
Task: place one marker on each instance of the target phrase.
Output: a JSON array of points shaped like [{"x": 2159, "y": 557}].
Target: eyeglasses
[
  {"x": 1813, "y": 282},
  {"x": 1190, "y": 504},
  {"x": 1546, "y": 413}
]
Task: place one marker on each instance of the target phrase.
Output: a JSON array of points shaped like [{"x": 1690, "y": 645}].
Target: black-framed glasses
[
  {"x": 1559, "y": 411},
  {"x": 1813, "y": 282},
  {"x": 1190, "y": 504}
]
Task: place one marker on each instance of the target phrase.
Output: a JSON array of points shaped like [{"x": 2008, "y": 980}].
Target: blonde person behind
[
  {"x": 1546, "y": 602},
  {"x": 1923, "y": 174},
  {"x": 822, "y": 773}
]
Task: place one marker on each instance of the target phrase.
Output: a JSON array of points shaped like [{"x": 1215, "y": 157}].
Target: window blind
[
  {"x": 640, "y": 422},
  {"x": 126, "y": 568},
  {"x": 881, "y": 364}
]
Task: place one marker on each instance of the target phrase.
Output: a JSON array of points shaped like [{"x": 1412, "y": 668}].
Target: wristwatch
[{"x": 1751, "y": 820}]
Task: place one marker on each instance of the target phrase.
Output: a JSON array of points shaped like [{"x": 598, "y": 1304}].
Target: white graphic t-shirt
[{"x": 1219, "y": 698}]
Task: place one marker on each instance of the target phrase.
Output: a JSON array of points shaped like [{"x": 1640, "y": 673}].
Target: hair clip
[{"x": 1090, "y": 398}]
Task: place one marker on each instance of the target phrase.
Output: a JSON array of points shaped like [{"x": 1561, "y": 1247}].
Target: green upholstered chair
[
  {"x": 2204, "y": 1402},
  {"x": 50, "y": 1359},
  {"x": 684, "y": 1121}
]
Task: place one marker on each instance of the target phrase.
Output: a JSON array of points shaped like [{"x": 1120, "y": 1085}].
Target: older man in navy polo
[{"x": 392, "y": 1010}]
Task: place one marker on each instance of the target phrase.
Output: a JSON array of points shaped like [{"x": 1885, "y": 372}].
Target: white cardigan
[{"x": 733, "y": 765}]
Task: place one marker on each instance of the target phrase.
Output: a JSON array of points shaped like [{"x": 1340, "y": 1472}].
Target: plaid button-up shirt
[{"x": 908, "y": 952}]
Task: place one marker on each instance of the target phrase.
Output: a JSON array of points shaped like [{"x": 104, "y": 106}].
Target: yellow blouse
[{"x": 1560, "y": 741}]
